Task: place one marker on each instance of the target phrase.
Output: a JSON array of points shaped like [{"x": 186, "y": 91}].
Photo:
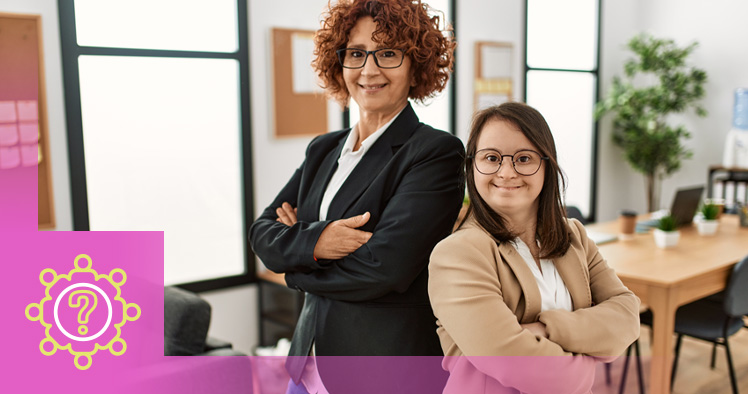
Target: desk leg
[{"x": 663, "y": 304}]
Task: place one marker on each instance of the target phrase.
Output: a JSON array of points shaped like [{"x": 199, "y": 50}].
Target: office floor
[{"x": 693, "y": 375}]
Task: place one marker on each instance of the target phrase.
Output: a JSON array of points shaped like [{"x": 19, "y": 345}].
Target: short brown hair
[
  {"x": 401, "y": 24},
  {"x": 551, "y": 226}
]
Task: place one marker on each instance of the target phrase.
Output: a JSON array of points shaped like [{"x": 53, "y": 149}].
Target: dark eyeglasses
[
  {"x": 525, "y": 162},
  {"x": 356, "y": 58}
]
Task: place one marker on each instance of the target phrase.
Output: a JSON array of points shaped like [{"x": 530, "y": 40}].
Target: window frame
[
  {"x": 596, "y": 75},
  {"x": 71, "y": 52}
]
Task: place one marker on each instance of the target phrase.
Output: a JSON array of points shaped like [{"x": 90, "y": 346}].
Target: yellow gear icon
[{"x": 116, "y": 346}]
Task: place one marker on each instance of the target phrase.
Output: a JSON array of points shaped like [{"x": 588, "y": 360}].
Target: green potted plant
[
  {"x": 666, "y": 233},
  {"x": 708, "y": 223},
  {"x": 657, "y": 83}
]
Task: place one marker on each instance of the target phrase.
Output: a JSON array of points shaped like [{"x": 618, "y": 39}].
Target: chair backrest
[
  {"x": 573, "y": 212},
  {"x": 186, "y": 322},
  {"x": 736, "y": 294}
]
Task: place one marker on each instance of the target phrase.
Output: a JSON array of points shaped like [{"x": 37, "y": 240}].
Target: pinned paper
[
  {"x": 8, "y": 134},
  {"x": 29, "y": 132},
  {"x": 29, "y": 155},
  {"x": 8, "y": 112},
  {"x": 10, "y": 157},
  {"x": 28, "y": 110}
]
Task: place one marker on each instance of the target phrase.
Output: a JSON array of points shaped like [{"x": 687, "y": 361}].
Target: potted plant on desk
[
  {"x": 708, "y": 224},
  {"x": 666, "y": 234}
]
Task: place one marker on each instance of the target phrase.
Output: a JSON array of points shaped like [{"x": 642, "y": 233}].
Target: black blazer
[{"x": 375, "y": 300}]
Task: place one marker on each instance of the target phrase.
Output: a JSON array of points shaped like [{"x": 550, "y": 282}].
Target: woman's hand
[
  {"x": 286, "y": 214},
  {"x": 537, "y": 328},
  {"x": 341, "y": 238}
]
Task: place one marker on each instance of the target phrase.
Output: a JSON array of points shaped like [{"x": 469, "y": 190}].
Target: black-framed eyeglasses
[
  {"x": 384, "y": 58},
  {"x": 525, "y": 162}
]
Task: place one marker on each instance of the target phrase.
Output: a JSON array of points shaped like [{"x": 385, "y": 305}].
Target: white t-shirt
[{"x": 553, "y": 291}]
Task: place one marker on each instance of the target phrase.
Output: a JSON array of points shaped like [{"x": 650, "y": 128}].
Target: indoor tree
[{"x": 657, "y": 82}]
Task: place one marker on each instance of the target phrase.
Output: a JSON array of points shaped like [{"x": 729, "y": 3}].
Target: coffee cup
[{"x": 627, "y": 224}]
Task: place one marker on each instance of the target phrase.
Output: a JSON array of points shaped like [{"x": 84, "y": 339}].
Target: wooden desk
[{"x": 665, "y": 279}]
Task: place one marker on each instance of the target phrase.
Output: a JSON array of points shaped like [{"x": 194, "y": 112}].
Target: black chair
[
  {"x": 186, "y": 322},
  {"x": 713, "y": 321},
  {"x": 573, "y": 212},
  {"x": 624, "y": 373}
]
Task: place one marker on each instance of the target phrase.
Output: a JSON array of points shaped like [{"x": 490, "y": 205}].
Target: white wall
[
  {"x": 58, "y": 148},
  {"x": 480, "y": 20},
  {"x": 719, "y": 27}
]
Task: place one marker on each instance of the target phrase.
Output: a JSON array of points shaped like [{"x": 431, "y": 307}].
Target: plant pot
[
  {"x": 666, "y": 239},
  {"x": 707, "y": 227}
]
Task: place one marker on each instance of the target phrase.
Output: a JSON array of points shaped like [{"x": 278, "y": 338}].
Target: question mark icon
[{"x": 86, "y": 300}]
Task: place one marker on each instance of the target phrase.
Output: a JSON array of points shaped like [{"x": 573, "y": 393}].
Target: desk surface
[
  {"x": 665, "y": 279},
  {"x": 640, "y": 259}
]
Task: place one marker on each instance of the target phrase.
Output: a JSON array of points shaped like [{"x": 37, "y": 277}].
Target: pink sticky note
[
  {"x": 27, "y": 110},
  {"x": 10, "y": 157},
  {"x": 8, "y": 134},
  {"x": 29, "y": 155},
  {"x": 29, "y": 132},
  {"x": 7, "y": 111}
]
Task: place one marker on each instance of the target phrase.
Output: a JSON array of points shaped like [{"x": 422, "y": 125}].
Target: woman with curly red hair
[{"x": 354, "y": 226}]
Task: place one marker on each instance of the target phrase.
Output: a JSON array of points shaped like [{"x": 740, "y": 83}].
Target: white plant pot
[
  {"x": 707, "y": 227},
  {"x": 666, "y": 239}
]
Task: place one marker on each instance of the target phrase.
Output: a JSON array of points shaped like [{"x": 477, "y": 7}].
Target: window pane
[
  {"x": 566, "y": 100},
  {"x": 194, "y": 25},
  {"x": 562, "y": 34},
  {"x": 162, "y": 147}
]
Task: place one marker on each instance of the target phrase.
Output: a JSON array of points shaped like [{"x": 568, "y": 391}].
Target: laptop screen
[{"x": 685, "y": 203}]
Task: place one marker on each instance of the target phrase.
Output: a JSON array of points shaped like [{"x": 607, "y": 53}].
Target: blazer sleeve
[
  {"x": 421, "y": 211},
  {"x": 466, "y": 296},
  {"x": 282, "y": 248},
  {"x": 611, "y": 324}
]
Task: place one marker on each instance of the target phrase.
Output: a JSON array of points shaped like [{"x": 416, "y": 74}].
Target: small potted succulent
[
  {"x": 708, "y": 223},
  {"x": 666, "y": 234}
]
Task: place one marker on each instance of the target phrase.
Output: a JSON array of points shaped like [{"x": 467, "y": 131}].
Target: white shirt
[
  {"x": 553, "y": 291},
  {"x": 348, "y": 161}
]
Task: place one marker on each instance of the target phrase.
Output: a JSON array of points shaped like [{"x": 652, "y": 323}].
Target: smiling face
[
  {"x": 377, "y": 91},
  {"x": 506, "y": 192}
]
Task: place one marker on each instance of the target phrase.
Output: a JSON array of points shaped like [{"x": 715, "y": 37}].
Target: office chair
[
  {"x": 573, "y": 212},
  {"x": 624, "y": 373},
  {"x": 713, "y": 321},
  {"x": 718, "y": 298},
  {"x": 186, "y": 322}
]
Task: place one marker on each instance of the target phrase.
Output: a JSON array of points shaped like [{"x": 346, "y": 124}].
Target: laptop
[{"x": 684, "y": 206}]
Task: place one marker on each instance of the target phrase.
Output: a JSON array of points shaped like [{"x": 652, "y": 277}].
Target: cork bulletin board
[
  {"x": 493, "y": 74},
  {"x": 300, "y": 106},
  {"x": 23, "y": 105}
]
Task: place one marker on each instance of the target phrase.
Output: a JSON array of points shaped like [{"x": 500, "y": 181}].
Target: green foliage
[
  {"x": 667, "y": 223},
  {"x": 650, "y": 145},
  {"x": 710, "y": 211}
]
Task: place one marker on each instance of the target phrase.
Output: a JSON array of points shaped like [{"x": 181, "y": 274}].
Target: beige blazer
[{"x": 482, "y": 290}]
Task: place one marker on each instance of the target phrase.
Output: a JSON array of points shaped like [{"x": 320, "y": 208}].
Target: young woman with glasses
[
  {"x": 519, "y": 279},
  {"x": 354, "y": 226}
]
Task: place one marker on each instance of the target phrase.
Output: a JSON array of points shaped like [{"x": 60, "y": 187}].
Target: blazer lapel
[
  {"x": 569, "y": 266},
  {"x": 326, "y": 168},
  {"x": 526, "y": 281},
  {"x": 372, "y": 163}
]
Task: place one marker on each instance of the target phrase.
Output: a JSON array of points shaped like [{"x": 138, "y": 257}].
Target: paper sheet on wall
[
  {"x": 302, "y": 52},
  {"x": 496, "y": 62}
]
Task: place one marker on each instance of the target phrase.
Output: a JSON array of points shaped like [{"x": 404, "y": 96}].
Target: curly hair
[{"x": 401, "y": 24}]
